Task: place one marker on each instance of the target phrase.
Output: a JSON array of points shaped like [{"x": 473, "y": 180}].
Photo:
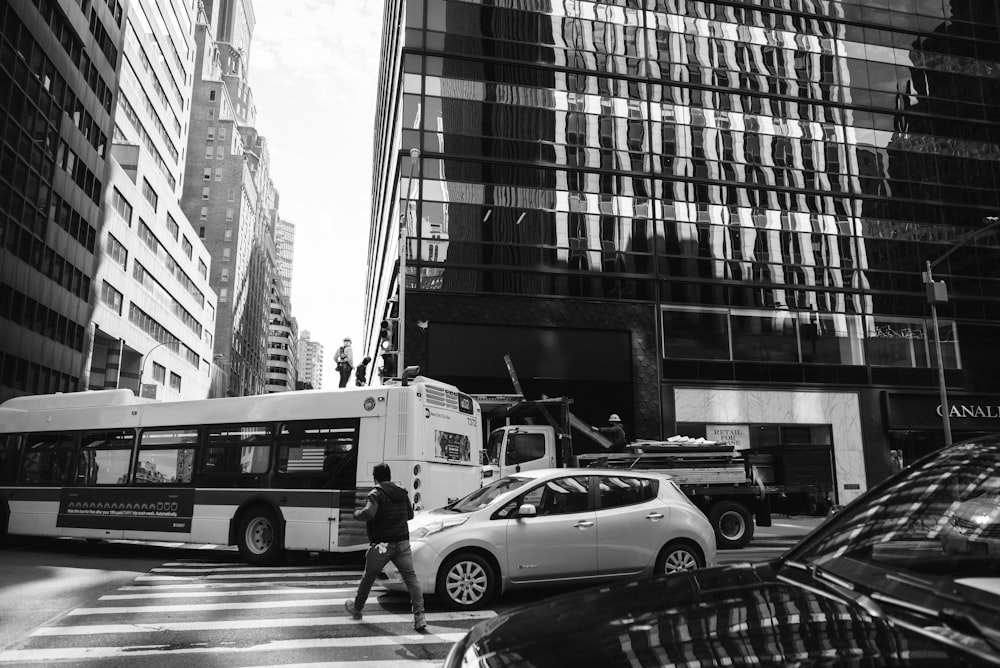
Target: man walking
[{"x": 387, "y": 508}]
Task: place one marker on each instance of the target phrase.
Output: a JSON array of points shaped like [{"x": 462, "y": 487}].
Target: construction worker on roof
[{"x": 614, "y": 432}]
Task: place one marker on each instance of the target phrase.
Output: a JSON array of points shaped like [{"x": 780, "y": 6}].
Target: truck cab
[{"x": 516, "y": 448}]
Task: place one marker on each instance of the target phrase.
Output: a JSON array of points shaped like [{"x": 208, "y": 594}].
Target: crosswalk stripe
[
  {"x": 282, "y": 622},
  {"x": 207, "y": 568},
  {"x": 280, "y": 591},
  {"x": 241, "y": 576},
  {"x": 201, "y": 607},
  {"x": 90, "y": 653},
  {"x": 392, "y": 663},
  {"x": 222, "y": 585}
]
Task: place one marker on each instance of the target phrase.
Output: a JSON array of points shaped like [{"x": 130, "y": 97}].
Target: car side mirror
[{"x": 526, "y": 510}]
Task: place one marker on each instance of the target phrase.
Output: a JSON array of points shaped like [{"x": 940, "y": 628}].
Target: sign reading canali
[{"x": 922, "y": 411}]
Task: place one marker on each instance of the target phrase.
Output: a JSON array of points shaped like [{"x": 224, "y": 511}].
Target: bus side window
[
  {"x": 47, "y": 458},
  {"x": 318, "y": 452},
  {"x": 237, "y": 450},
  {"x": 10, "y": 454},
  {"x": 166, "y": 456},
  {"x": 104, "y": 457}
]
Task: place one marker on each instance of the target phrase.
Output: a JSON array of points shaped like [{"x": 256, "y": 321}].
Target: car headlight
[{"x": 437, "y": 526}]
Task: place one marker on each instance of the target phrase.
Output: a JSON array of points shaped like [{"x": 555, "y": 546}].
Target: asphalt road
[{"x": 115, "y": 604}]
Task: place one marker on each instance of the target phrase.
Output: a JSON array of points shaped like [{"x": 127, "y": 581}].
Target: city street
[{"x": 124, "y": 604}]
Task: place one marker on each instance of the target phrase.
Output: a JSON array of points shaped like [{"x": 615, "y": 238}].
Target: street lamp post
[
  {"x": 400, "y": 328},
  {"x": 142, "y": 363},
  {"x": 937, "y": 293}
]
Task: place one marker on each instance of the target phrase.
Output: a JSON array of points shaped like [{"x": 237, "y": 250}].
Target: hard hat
[{"x": 614, "y": 418}]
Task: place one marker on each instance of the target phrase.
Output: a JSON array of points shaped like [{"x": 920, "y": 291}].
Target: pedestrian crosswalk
[{"x": 228, "y": 614}]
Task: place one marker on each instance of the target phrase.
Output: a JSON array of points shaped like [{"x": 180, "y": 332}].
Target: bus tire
[
  {"x": 259, "y": 536},
  {"x": 467, "y": 581},
  {"x": 732, "y": 523},
  {"x": 678, "y": 556}
]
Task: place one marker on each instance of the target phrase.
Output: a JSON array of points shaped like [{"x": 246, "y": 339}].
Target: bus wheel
[
  {"x": 259, "y": 538},
  {"x": 733, "y": 524},
  {"x": 466, "y": 581}
]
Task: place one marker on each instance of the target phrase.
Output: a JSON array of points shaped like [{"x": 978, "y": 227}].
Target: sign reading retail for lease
[{"x": 736, "y": 435}]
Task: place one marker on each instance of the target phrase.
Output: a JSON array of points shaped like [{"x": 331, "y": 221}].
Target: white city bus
[{"x": 267, "y": 473}]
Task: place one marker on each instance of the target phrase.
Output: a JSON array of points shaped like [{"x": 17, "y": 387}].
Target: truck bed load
[{"x": 690, "y": 462}]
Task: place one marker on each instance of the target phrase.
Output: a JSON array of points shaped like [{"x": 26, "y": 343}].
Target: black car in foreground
[{"x": 907, "y": 575}]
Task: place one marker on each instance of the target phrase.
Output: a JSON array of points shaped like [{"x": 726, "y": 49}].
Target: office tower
[
  {"x": 58, "y": 78},
  {"x": 310, "y": 368},
  {"x": 284, "y": 240},
  {"x": 282, "y": 340},
  {"x": 229, "y": 195},
  {"x": 708, "y": 217},
  {"x": 154, "y": 320}
]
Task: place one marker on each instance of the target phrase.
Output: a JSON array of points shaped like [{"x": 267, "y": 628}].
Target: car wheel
[
  {"x": 678, "y": 556},
  {"x": 732, "y": 523},
  {"x": 466, "y": 581},
  {"x": 259, "y": 536}
]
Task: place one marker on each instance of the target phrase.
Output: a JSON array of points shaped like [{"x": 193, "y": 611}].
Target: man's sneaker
[
  {"x": 419, "y": 622},
  {"x": 351, "y": 610}
]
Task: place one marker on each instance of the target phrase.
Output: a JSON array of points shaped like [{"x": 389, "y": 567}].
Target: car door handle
[
  {"x": 655, "y": 517},
  {"x": 584, "y": 524}
]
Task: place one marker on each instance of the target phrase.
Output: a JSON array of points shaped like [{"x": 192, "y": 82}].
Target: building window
[
  {"x": 150, "y": 194},
  {"x": 202, "y": 267},
  {"x": 207, "y": 174},
  {"x": 111, "y": 297},
  {"x": 188, "y": 248},
  {"x": 172, "y": 226},
  {"x": 218, "y": 174},
  {"x": 222, "y": 133},
  {"x": 211, "y": 114},
  {"x": 219, "y": 153},
  {"x": 211, "y": 134},
  {"x": 231, "y": 196},
  {"x": 228, "y": 234},
  {"x": 204, "y": 213},
  {"x": 229, "y": 214},
  {"x": 205, "y": 192},
  {"x": 116, "y": 251},
  {"x": 225, "y": 254},
  {"x": 201, "y": 232},
  {"x": 211, "y": 95},
  {"x": 175, "y": 381},
  {"x": 159, "y": 373},
  {"x": 224, "y": 277},
  {"x": 209, "y": 153},
  {"x": 122, "y": 207},
  {"x": 223, "y": 295}
]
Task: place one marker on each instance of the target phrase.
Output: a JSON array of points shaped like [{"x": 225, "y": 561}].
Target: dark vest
[{"x": 389, "y": 523}]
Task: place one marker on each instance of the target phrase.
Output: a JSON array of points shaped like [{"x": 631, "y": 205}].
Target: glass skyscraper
[{"x": 711, "y": 218}]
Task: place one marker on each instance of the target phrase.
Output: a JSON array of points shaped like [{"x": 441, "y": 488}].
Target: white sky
[{"x": 314, "y": 75}]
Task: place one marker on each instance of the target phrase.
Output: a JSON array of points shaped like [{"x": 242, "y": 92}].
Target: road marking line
[
  {"x": 91, "y": 653},
  {"x": 245, "y": 576},
  {"x": 392, "y": 663},
  {"x": 184, "y": 584},
  {"x": 281, "y": 622},
  {"x": 231, "y": 569},
  {"x": 199, "y": 607},
  {"x": 215, "y": 594}
]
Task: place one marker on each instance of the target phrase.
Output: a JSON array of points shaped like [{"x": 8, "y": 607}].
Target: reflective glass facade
[{"x": 751, "y": 189}]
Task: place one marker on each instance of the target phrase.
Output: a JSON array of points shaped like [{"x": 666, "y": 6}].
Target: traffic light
[{"x": 388, "y": 343}]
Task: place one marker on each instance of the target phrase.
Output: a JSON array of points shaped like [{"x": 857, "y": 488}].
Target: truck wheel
[
  {"x": 733, "y": 524},
  {"x": 466, "y": 581},
  {"x": 259, "y": 536},
  {"x": 678, "y": 556}
]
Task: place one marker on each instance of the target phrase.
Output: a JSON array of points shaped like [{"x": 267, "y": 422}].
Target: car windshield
[
  {"x": 484, "y": 496},
  {"x": 928, "y": 537}
]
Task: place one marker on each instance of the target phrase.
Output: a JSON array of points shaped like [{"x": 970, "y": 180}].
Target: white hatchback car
[{"x": 555, "y": 526}]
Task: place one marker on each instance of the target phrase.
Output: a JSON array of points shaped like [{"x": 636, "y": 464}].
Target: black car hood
[{"x": 739, "y": 615}]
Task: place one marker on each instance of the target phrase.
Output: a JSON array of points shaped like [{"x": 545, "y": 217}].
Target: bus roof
[{"x": 85, "y": 399}]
